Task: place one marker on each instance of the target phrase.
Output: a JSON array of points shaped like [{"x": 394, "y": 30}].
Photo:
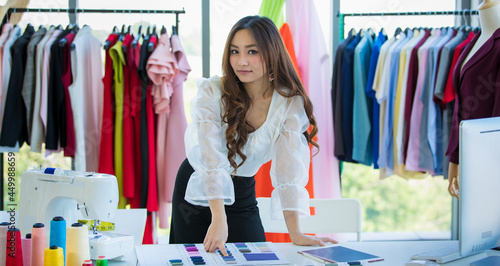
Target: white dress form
[{"x": 489, "y": 19}]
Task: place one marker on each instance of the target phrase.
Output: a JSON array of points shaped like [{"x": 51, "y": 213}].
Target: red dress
[
  {"x": 106, "y": 158},
  {"x": 128, "y": 130},
  {"x": 67, "y": 80}
]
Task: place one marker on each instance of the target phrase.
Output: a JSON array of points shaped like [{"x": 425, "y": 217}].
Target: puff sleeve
[
  {"x": 290, "y": 163},
  {"x": 206, "y": 148}
]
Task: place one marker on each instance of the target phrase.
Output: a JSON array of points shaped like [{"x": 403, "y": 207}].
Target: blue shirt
[
  {"x": 375, "y": 112},
  {"x": 430, "y": 153},
  {"x": 361, "y": 125},
  {"x": 386, "y": 158},
  {"x": 347, "y": 87}
]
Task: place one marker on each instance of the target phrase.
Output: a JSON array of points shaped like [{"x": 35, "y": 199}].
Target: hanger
[
  {"x": 75, "y": 29},
  {"x": 382, "y": 30},
  {"x": 122, "y": 33},
  {"x": 361, "y": 32},
  {"x": 107, "y": 43},
  {"x": 136, "y": 39},
  {"x": 63, "y": 42},
  {"x": 129, "y": 29},
  {"x": 370, "y": 31},
  {"x": 174, "y": 30},
  {"x": 163, "y": 30},
  {"x": 352, "y": 32},
  {"x": 151, "y": 45},
  {"x": 464, "y": 16},
  {"x": 397, "y": 32}
]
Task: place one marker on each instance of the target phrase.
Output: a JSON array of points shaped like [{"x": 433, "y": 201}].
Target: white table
[{"x": 395, "y": 253}]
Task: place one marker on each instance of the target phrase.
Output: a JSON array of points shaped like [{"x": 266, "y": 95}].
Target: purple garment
[
  {"x": 411, "y": 86},
  {"x": 477, "y": 87},
  {"x": 416, "y": 113}
]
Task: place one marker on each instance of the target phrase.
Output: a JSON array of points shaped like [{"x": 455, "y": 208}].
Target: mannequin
[{"x": 489, "y": 19}]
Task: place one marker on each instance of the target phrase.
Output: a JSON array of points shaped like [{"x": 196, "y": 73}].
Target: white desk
[{"x": 395, "y": 253}]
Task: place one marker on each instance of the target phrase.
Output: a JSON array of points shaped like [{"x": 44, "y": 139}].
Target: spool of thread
[
  {"x": 58, "y": 233},
  {"x": 14, "y": 250},
  {"x": 102, "y": 261},
  {"x": 53, "y": 256},
  {"x": 26, "y": 243},
  {"x": 4, "y": 226},
  {"x": 77, "y": 244},
  {"x": 87, "y": 263},
  {"x": 38, "y": 244}
]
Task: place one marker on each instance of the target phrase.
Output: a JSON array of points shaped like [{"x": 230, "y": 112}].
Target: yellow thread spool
[{"x": 53, "y": 256}]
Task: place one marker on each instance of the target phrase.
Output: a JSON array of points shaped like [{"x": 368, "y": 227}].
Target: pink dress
[{"x": 162, "y": 68}]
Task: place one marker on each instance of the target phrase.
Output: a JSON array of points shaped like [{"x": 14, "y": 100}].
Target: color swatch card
[
  {"x": 251, "y": 253},
  {"x": 262, "y": 253}
]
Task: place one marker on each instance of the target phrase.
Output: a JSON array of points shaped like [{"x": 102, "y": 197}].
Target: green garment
[
  {"x": 273, "y": 10},
  {"x": 119, "y": 86}
]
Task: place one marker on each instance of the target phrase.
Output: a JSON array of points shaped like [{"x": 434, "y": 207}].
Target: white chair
[{"x": 331, "y": 216}]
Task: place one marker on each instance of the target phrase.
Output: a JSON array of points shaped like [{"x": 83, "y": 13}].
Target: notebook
[{"x": 340, "y": 254}]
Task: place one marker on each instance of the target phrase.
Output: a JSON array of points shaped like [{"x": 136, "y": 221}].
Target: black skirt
[{"x": 190, "y": 222}]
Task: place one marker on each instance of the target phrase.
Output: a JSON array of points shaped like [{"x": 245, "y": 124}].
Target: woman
[{"x": 256, "y": 112}]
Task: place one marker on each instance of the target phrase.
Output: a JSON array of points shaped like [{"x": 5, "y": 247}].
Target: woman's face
[{"x": 245, "y": 58}]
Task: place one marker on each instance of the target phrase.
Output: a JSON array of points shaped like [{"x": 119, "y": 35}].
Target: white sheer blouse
[{"x": 280, "y": 138}]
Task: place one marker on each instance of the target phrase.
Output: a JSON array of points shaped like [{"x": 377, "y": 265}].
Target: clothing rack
[
  {"x": 342, "y": 16},
  {"x": 74, "y": 11},
  {"x": 105, "y": 11},
  {"x": 464, "y": 12}
]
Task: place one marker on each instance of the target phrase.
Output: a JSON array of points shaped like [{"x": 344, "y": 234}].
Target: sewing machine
[{"x": 50, "y": 192}]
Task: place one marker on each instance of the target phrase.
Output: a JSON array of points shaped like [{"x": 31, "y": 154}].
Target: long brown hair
[{"x": 236, "y": 100}]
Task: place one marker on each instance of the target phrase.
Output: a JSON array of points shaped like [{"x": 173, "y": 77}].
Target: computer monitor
[{"x": 479, "y": 185}]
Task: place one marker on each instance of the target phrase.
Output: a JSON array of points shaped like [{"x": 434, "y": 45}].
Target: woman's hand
[
  {"x": 216, "y": 237},
  {"x": 307, "y": 240},
  {"x": 217, "y": 233},
  {"x": 292, "y": 223},
  {"x": 453, "y": 179}
]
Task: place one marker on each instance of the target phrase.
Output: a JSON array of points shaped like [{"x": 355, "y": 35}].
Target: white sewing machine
[{"x": 50, "y": 192}]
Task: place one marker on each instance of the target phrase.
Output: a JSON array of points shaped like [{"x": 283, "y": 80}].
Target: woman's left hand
[{"x": 307, "y": 240}]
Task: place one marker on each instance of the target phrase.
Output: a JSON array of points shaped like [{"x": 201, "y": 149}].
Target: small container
[
  {"x": 102, "y": 261},
  {"x": 87, "y": 263}
]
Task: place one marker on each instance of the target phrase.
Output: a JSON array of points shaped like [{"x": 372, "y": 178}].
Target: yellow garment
[
  {"x": 273, "y": 9},
  {"x": 399, "y": 169},
  {"x": 119, "y": 86}
]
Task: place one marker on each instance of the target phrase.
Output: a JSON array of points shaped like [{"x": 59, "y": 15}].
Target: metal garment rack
[
  {"x": 342, "y": 16},
  {"x": 74, "y": 11},
  {"x": 103, "y": 11},
  {"x": 464, "y": 12}
]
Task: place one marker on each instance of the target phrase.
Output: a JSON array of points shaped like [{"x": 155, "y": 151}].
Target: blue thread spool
[{"x": 58, "y": 233}]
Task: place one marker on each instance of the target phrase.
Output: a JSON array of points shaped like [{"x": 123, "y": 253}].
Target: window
[{"x": 415, "y": 209}]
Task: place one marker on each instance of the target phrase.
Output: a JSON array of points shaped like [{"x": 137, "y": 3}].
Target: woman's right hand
[{"x": 217, "y": 233}]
